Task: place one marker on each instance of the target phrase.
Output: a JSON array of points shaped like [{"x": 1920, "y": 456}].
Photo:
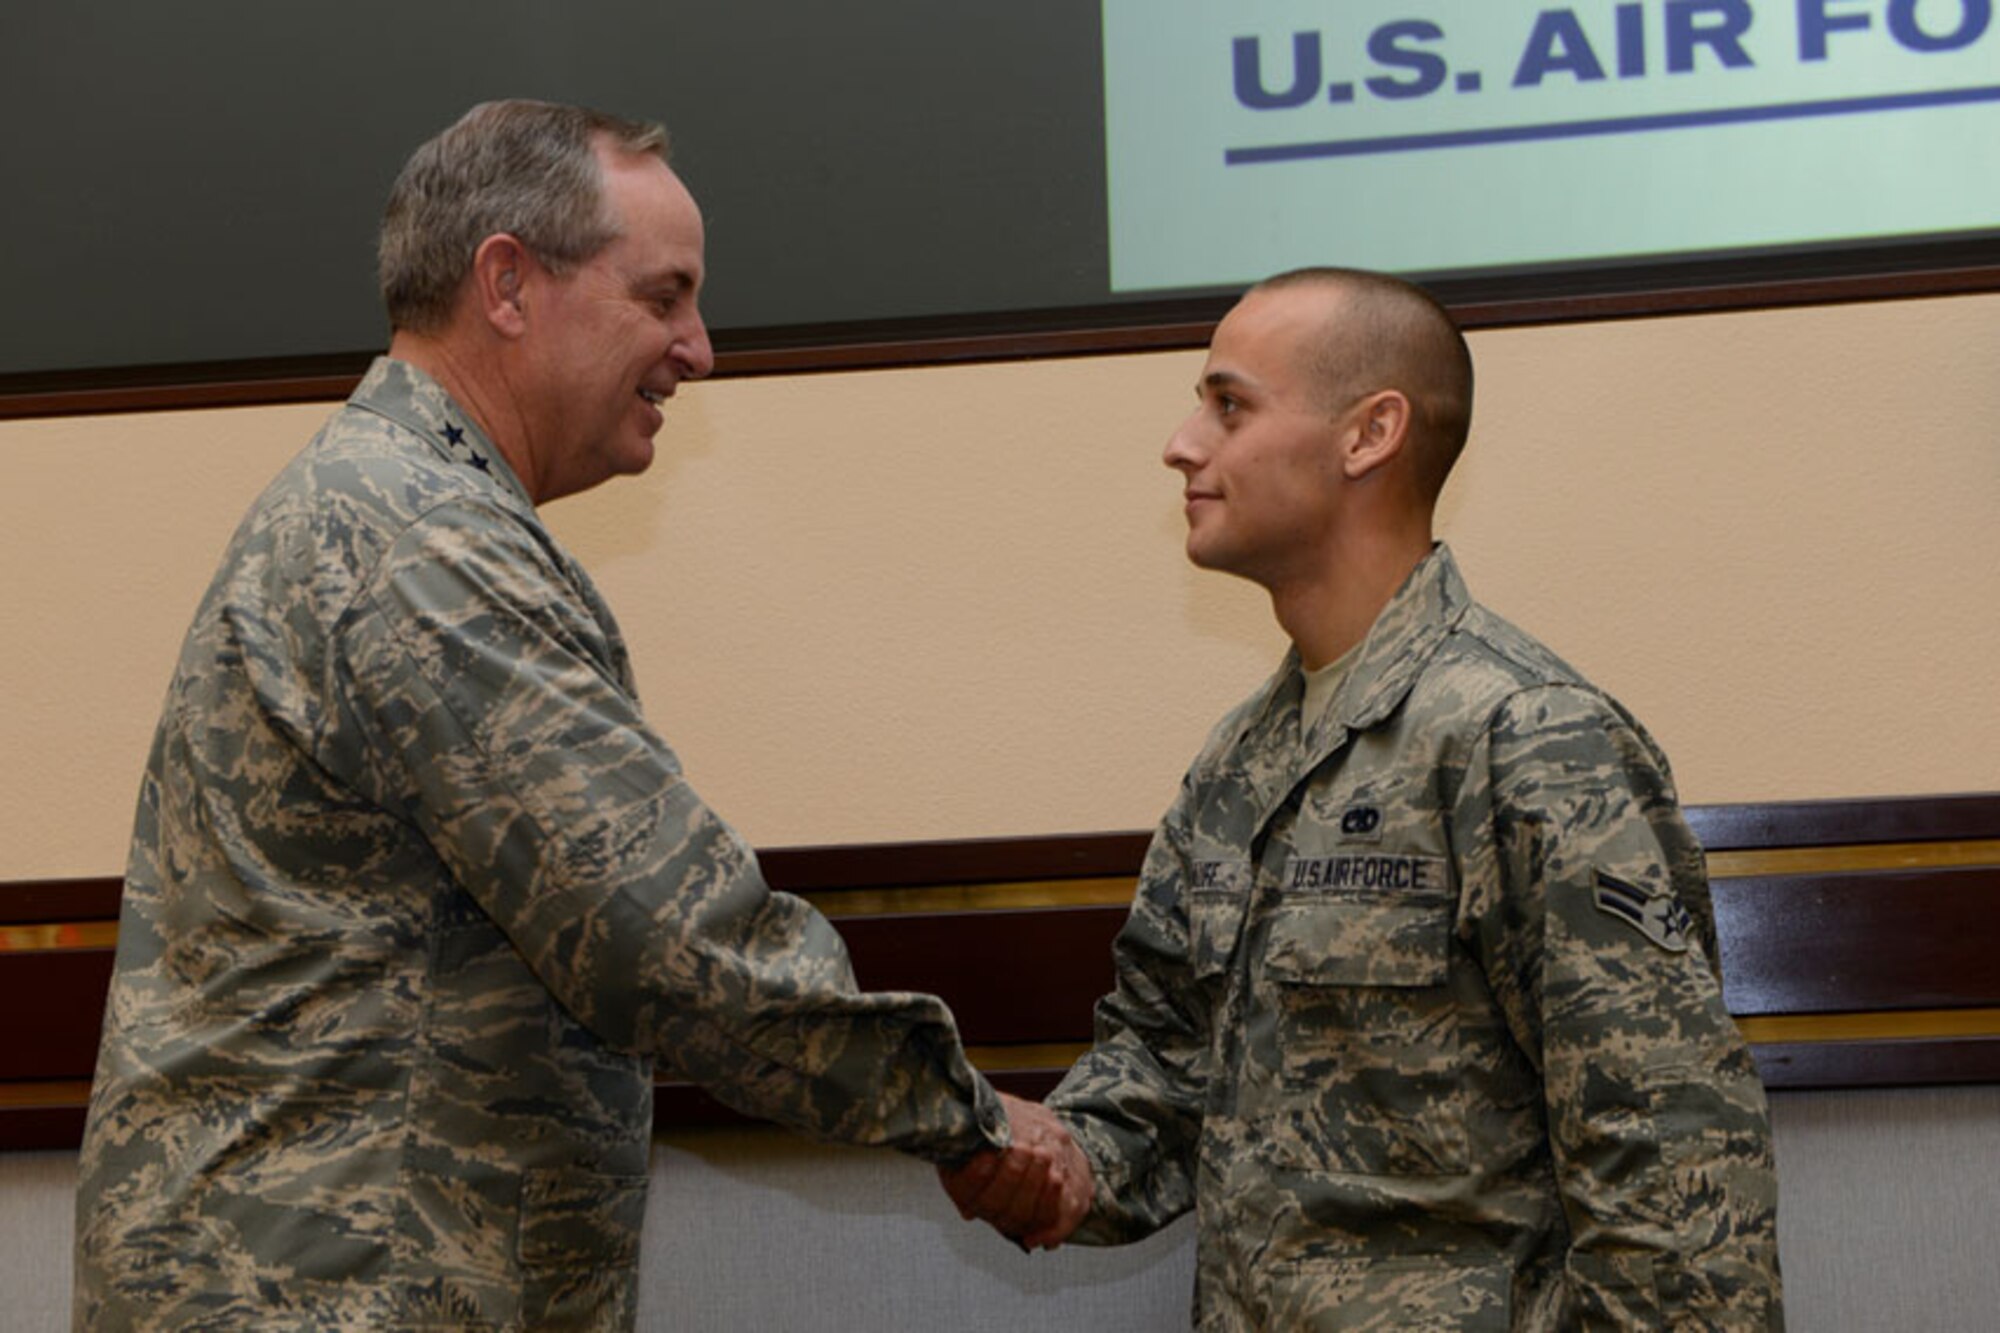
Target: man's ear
[
  {"x": 1379, "y": 427},
  {"x": 499, "y": 281}
]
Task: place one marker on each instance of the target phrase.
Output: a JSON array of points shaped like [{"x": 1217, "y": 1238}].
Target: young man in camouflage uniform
[
  {"x": 1418, "y": 1006},
  {"x": 416, "y": 898}
]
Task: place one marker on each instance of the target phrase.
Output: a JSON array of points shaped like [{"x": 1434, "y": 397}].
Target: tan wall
[{"x": 951, "y": 602}]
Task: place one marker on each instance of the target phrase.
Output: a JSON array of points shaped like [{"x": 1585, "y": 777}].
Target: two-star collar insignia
[{"x": 454, "y": 435}]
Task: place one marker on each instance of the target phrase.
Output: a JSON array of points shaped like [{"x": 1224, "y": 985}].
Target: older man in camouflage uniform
[
  {"x": 1418, "y": 1005},
  {"x": 416, "y": 899}
]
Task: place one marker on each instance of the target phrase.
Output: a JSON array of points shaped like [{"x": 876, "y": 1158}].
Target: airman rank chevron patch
[{"x": 1655, "y": 915}]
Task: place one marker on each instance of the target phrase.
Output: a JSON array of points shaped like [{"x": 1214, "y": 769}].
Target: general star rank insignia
[{"x": 1655, "y": 915}]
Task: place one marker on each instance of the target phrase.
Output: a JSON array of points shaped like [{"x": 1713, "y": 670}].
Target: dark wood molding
[
  {"x": 1007, "y": 336},
  {"x": 976, "y": 961},
  {"x": 41, "y": 1128},
  {"x": 1831, "y": 938},
  {"x": 34, "y": 901},
  {"x": 55, "y": 1005},
  {"x": 1909, "y": 1062},
  {"x": 834, "y": 867},
  {"x": 1859, "y": 941},
  {"x": 1726, "y": 296},
  {"x": 1875, "y": 819},
  {"x": 971, "y": 861}
]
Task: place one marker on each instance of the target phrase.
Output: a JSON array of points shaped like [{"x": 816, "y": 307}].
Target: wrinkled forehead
[{"x": 659, "y": 224}]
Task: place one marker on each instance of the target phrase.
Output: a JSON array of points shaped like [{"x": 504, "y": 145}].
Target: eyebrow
[
  {"x": 1221, "y": 379},
  {"x": 678, "y": 278}
]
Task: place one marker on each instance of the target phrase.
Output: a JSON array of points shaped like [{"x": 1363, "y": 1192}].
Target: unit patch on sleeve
[{"x": 1657, "y": 916}]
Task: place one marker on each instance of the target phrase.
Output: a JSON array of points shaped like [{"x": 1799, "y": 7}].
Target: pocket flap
[{"x": 578, "y": 1219}]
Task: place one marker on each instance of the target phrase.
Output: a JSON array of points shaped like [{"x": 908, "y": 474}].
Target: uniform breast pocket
[{"x": 1367, "y": 1030}]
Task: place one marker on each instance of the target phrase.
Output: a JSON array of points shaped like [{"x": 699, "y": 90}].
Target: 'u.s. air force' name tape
[
  {"x": 1372, "y": 871},
  {"x": 1655, "y": 915}
]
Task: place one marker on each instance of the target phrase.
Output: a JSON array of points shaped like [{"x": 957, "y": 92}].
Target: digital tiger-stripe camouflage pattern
[
  {"x": 416, "y": 900},
  {"x": 1374, "y": 1025}
]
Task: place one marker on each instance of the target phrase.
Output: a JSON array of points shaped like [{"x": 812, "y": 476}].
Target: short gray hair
[{"x": 528, "y": 169}]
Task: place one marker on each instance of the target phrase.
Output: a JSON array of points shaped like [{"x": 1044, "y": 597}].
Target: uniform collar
[
  {"x": 1408, "y": 630},
  {"x": 1401, "y": 642},
  {"x": 407, "y": 396}
]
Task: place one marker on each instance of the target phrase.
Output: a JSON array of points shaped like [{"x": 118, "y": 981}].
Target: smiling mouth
[{"x": 653, "y": 396}]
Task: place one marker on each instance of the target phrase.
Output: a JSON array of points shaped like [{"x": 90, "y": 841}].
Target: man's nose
[{"x": 694, "y": 351}]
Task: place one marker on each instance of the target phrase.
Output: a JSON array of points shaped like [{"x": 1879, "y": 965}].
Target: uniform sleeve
[
  {"x": 1588, "y": 904},
  {"x": 486, "y": 683},
  {"x": 1134, "y": 1101}
]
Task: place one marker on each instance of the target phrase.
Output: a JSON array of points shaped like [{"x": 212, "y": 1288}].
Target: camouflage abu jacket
[
  {"x": 1422, "y": 1018},
  {"x": 415, "y": 901}
]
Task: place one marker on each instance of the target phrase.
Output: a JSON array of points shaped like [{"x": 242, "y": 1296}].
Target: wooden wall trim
[
  {"x": 1967, "y": 816},
  {"x": 1001, "y": 337},
  {"x": 973, "y": 861},
  {"x": 1918, "y": 1062},
  {"x": 27, "y": 902},
  {"x": 829, "y": 868},
  {"x": 1870, "y": 941},
  {"x": 1853, "y": 939}
]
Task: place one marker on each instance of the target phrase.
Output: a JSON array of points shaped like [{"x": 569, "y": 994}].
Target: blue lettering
[
  {"x": 1631, "y": 41},
  {"x": 1250, "y": 89},
  {"x": 1684, "y": 33},
  {"x": 1384, "y": 44},
  {"x": 1974, "y": 17},
  {"x": 1815, "y": 23},
  {"x": 1557, "y": 46}
]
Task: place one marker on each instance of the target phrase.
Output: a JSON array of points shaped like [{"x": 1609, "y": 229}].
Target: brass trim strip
[
  {"x": 1877, "y": 856},
  {"x": 1018, "y": 896},
  {"x": 1769, "y": 1029},
  {"x": 59, "y": 935},
  {"x": 44, "y": 1096},
  {"x": 1004, "y": 1059},
  {"x": 1117, "y": 890}
]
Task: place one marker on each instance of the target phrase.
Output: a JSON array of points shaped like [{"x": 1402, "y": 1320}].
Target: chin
[
  {"x": 1201, "y": 554},
  {"x": 634, "y": 458}
]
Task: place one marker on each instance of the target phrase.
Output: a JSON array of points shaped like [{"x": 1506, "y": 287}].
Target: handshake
[{"x": 1037, "y": 1191}]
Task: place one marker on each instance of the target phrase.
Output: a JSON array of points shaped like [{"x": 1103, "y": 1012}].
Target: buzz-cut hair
[
  {"x": 1393, "y": 334},
  {"x": 528, "y": 169}
]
